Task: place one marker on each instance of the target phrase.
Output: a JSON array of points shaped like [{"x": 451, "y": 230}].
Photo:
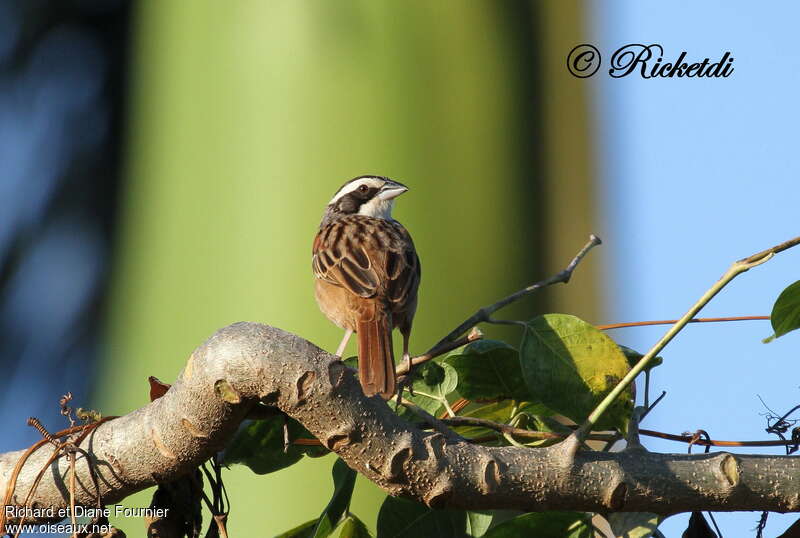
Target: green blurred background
[{"x": 244, "y": 120}]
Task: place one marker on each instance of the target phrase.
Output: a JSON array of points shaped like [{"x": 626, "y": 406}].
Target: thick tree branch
[{"x": 247, "y": 362}]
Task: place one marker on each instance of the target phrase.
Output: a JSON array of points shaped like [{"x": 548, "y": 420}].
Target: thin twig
[
  {"x": 651, "y": 406},
  {"x": 632, "y": 439},
  {"x": 218, "y": 506},
  {"x": 225, "y": 502},
  {"x": 53, "y": 457},
  {"x": 222, "y": 524},
  {"x": 771, "y": 251},
  {"x": 762, "y": 523},
  {"x": 511, "y": 430},
  {"x": 683, "y": 438},
  {"x": 697, "y": 436},
  {"x": 71, "y": 457},
  {"x": 716, "y": 527},
  {"x": 84, "y": 430},
  {"x": 92, "y": 474},
  {"x": 307, "y": 441},
  {"x": 12, "y": 482},
  {"x": 670, "y": 321},
  {"x": 461, "y": 403},
  {"x": 198, "y": 484},
  {"x": 484, "y": 314},
  {"x": 456, "y": 407},
  {"x": 66, "y": 410},
  {"x": 304, "y": 441},
  {"x": 498, "y": 427},
  {"x": 440, "y": 349},
  {"x": 639, "y": 414},
  {"x": 429, "y": 419},
  {"x": 782, "y": 425},
  {"x": 736, "y": 269},
  {"x": 34, "y": 422},
  {"x": 210, "y": 479}
]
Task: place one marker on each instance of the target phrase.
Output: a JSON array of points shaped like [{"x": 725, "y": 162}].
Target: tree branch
[
  {"x": 484, "y": 314},
  {"x": 246, "y": 363},
  {"x": 440, "y": 349}
]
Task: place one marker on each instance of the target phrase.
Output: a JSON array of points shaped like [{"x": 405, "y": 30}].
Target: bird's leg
[
  {"x": 406, "y": 355},
  {"x": 347, "y": 334},
  {"x": 408, "y": 377}
]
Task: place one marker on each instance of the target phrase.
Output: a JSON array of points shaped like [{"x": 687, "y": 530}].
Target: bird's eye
[{"x": 363, "y": 189}]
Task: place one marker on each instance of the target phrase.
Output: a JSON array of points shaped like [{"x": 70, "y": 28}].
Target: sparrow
[{"x": 367, "y": 275}]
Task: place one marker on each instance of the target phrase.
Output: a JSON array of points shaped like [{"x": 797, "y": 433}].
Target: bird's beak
[{"x": 391, "y": 190}]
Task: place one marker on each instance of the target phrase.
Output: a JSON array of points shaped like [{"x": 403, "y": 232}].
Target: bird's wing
[
  {"x": 342, "y": 262},
  {"x": 403, "y": 270},
  {"x": 376, "y": 259}
]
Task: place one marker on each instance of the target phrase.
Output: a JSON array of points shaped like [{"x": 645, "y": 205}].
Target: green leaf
[
  {"x": 545, "y": 525},
  {"x": 351, "y": 527},
  {"x": 344, "y": 479},
  {"x": 489, "y": 369},
  {"x": 634, "y": 356},
  {"x": 633, "y": 524},
  {"x": 439, "y": 379},
  {"x": 478, "y": 523},
  {"x": 433, "y": 379},
  {"x": 306, "y": 530},
  {"x": 785, "y": 315},
  {"x": 259, "y": 444},
  {"x": 571, "y": 365},
  {"x": 400, "y": 518}
]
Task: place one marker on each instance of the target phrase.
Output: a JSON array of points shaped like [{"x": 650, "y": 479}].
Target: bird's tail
[{"x": 376, "y": 356}]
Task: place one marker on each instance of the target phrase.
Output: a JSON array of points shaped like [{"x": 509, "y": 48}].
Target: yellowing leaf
[{"x": 571, "y": 365}]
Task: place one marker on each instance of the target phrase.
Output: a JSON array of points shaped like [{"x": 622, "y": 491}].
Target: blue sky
[{"x": 697, "y": 173}]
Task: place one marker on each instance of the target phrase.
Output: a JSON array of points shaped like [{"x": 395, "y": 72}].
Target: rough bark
[{"x": 246, "y": 362}]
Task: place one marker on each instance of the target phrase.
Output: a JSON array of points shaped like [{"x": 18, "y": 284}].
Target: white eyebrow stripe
[{"x": 373, "y": 182}]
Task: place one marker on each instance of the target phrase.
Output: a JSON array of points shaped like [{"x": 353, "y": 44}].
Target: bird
[{"x": 367, "y": 276}]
